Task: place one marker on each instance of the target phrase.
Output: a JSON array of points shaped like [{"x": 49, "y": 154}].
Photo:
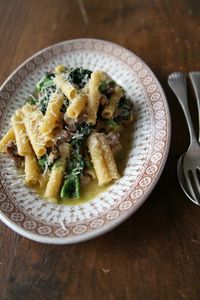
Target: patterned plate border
[{"x": 26, "y": 225}]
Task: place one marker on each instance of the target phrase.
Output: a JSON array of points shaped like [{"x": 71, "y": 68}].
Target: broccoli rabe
[
  {"x": 31, "y": 100},
  {"x": 45, "y": 81},
  {"x": 44, "y": 163},
  {"x": 45, "y": 88},
  {"x": 111, "y": 126},
  {"x": 124, "y": 109},
  {"x": 83, "y": 130},
  {"x": 107, "y": 87},
  {"x": 71, "y": 186},
  {"x": 79, "y": 77}
]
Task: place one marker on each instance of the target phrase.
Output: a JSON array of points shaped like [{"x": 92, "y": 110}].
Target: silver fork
[
  {"x": 195, "y": 79},
  {"x": 191, "y": 160}
]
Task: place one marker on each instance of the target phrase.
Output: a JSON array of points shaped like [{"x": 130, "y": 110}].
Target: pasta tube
[
  {"x": 52, "y": 114},
  {"x": 107, "y": 153},
  {"x": 59, "y": 69},
  {"x": 22, "y": 141},
  {"x": 9, "y": 136},
  {"x": 57, "y": 173},
  {"x": 94, "y": 95},
  {"x": 48, "y": 139},
  {"x": 64, "y": 150},
  {"x": 43, "y": 179},
  {"x": 66, "y": 87},
  {"x": 109, "y": 109},
  {"x": 55, "y": 180},
  {"x": 76, "y": 106},
  {"x": 31, "y": 170},
  {"x": 32, "y": 120},
  {"x": 102, "y": 158}
]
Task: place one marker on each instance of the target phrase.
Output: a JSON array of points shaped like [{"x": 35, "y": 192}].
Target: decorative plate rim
[{"x": 113, "y": 223}]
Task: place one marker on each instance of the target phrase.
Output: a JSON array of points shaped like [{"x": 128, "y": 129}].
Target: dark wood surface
[{"x": 155, "y": 254}]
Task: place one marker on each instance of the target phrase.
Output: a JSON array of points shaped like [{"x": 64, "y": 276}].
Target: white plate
[{"x": 34, "y": 218}]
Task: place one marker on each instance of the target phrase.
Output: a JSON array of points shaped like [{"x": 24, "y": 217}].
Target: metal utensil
[
  {"x": 195, "y": 79},
  {"x": 181, "y": 179},
  {"x": 188, "y": 167}
]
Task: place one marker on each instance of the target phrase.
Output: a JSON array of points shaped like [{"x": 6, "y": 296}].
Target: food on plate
[{"x": 68, "y": 132}]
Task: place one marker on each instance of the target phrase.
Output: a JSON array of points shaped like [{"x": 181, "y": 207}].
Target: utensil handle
[
  {"x": 178, "y": 83},
  {"x": 195, "y": 79}
]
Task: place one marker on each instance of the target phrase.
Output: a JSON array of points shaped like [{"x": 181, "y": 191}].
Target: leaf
[
  {"x": 79, "y": 77},
  {"x": 124, "y": 110},
  {"x": 106, "y": 87},
  {"x": 83, "y": 130},
  {"x": 45, "y": 81},
  {"x": 103, "y": 86},
  {"x": 31, "y": 100},
  {"x": 71, "y": 187},
  {"x": 43, "y": 161}
]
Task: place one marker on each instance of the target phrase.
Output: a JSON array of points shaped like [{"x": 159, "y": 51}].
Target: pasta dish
[{"x": 68, "y": 132}]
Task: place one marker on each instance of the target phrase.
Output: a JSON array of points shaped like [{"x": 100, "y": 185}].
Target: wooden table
[{"x": 155, "y": 254}]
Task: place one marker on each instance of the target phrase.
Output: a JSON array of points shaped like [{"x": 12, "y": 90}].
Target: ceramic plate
[{"x": 36, "y": 219}]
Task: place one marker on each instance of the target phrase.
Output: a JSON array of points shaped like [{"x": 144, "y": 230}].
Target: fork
[
  {"x": 191, "y": 160},
  {"x": 195, "y": 79}
]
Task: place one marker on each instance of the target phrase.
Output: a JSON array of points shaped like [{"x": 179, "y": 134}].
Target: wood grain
[{"x": 155, "y": 254}]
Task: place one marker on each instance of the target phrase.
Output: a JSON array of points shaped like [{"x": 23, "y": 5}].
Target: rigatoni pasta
[
  {"x": 52, "y": 114},
  {"x": 9, "y": 136},
  {"x": 77, "y": 106},
  {"x": 98, "y": 159},
  {"x": 110, "y": 108},
  {"x": 67, "y": 133},
  {"x": 94, "y": 95},
  {"x": 102, "y": 158},
  {"x": 32, "y": 120},
  {"x": 66, "y": 87},
  {"x": 31, "y": 170},
  {"x": 55, "y": 180},
  {"x": 22, "y": 141}
]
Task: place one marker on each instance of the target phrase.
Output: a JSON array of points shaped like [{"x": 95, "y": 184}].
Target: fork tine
[
  {"x": 188, "y": 179},
  {"x": 197, "y": 185},
  {"x": 195, "y": 79}
]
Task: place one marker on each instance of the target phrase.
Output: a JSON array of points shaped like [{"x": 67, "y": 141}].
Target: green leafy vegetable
[
  {"x": 79, "y": 77},
  {"x": 83, "y": 130},
  {"x": 124, "y": 110},
  {"x": 45, "y": 81},
  {"x": 111, "y": 125},
  {"x": 124, "y": 103},
  {"x": 76, "y": 163},
  {"x": 43, "y": 162},
  {"x": 71, "y": 187},
  {"x": 31, "y": 100},
  {"x": 103, "y": 86},
  {"x": 45, "y": 88},
  {"x": 59, "y": 163},
  {"x": 107, "y": 87}
]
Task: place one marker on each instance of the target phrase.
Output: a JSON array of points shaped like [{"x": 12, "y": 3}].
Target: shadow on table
[{"x": 157, "y": 220}]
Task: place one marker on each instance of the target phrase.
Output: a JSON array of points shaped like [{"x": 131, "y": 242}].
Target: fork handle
[
  {"x": 178, "y": 83},
  {"x": 195, "y": 79}
]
